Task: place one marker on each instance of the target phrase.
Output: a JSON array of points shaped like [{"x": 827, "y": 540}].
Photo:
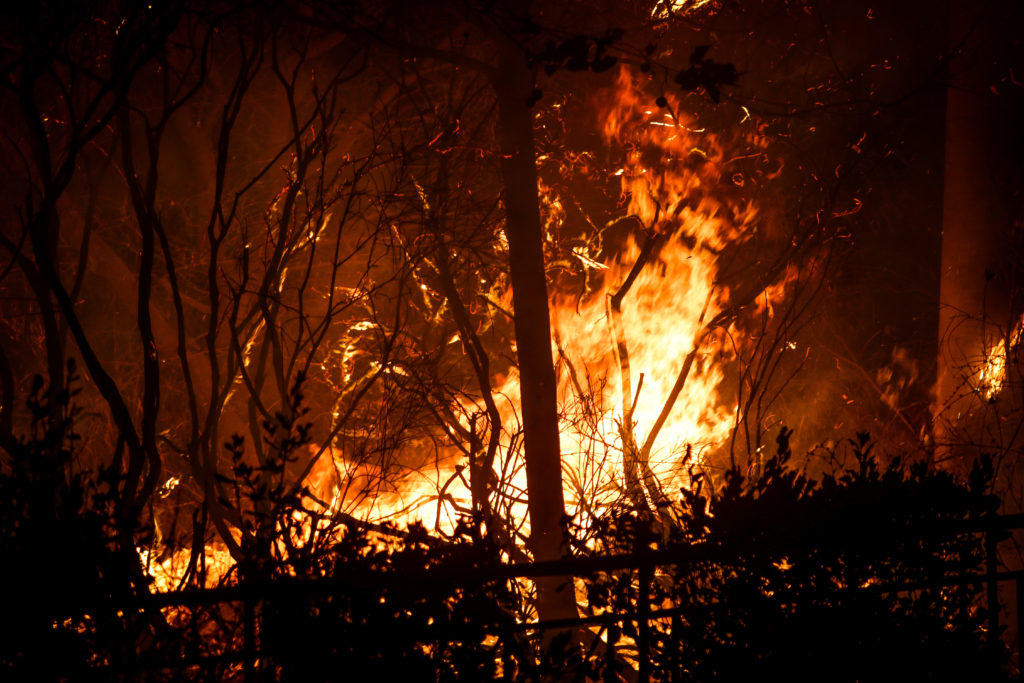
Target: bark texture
[{"x": 523, "y": 229}]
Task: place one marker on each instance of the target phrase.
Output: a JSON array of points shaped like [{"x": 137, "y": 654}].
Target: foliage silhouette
[
  {"x": 791, "y": 580},
  {"x": 68, "y": 578},
  {"x": 793, "y": 588},
  {"x": 776, "y": 574}
]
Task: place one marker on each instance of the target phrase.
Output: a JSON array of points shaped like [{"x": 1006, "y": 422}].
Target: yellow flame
[
  {"x": 672, "y": 167},
  {"x": 992, "y": 374}
]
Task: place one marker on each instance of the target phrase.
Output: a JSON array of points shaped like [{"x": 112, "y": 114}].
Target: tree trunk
[
  {"x": 974, "y": 297},
  {"x": 556, "y": 598}
]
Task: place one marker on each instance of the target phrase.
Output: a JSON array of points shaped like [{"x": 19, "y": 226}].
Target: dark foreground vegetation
[{"x": 775, "y": 575}]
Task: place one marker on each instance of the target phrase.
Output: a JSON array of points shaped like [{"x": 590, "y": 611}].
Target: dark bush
[
  {"x": 774, "y": 576},
  {"x": 802, "y": 573},
  {"x": 67, "y": 580}
]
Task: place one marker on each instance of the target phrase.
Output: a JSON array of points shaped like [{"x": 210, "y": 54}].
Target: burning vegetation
[{"x": 464, "y": 341}]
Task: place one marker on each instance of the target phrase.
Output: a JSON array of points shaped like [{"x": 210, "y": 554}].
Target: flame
[
  {"x": 992, "y": 374},
  {"x": 167, "y": 572},
  {"x": 668, "y": 183},
  {"x": 618, "y": 358},
  {"x": 662, "y": 318},
  {"x": 666, "y": 9}
]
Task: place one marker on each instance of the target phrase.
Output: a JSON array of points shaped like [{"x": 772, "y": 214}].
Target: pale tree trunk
[
  {"x": 974, "y": 306},
  {"x": 523, "y": 229}
]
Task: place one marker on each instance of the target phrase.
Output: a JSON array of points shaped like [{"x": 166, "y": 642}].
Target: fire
[
  {"x": 640, "y": 359},
  {"x": 621, "y": 358},
  {"x": 992, "y": 373},
  {"x": 646, "y": 335},
  {"x": 669, "y": 8},
  {"x": 427, "y": 494},
  {"x": 662, "y": 321},
  {"x": 167, "y": 572}
]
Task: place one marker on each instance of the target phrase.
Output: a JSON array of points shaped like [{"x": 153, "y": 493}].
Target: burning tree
[{"x": 675, "y": 217}]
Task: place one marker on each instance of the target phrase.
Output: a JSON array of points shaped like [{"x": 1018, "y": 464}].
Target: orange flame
[
  {"x": 618, "y": 361},
  {"x": 992, "y": 373}
]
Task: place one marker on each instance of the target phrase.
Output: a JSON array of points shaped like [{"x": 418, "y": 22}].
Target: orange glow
[
  {"x": 992, "y": 374},
  {"x": 665, "y": 9},
  {"x": 663, "y": 319}
]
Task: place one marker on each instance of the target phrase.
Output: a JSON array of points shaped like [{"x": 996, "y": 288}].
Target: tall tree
[
  {"x": 514, "y": 86},
  {"x": 983, "y": 110}
]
